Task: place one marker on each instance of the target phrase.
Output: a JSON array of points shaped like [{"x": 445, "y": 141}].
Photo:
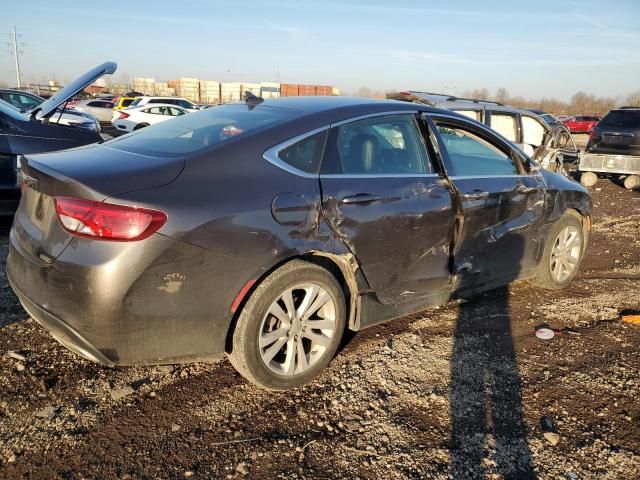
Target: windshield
[
  {"x": 621, "y": 119},
  {"x": 135, "y": 102},
  {"x": 550, "y": 119},
  {"x": 200, "y": 130}
]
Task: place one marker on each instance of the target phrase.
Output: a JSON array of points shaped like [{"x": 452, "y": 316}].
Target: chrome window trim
[
  {"x": 466, "y": 177},
  {"x": 272, "y": 154},
  {"x": 372, "y": 115},
  {"x": 380, "y": 175}
]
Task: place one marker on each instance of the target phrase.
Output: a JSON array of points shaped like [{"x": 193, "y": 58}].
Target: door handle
[
  {"x": 476, "y": 195},
  {"x": 360, "y": 199}
]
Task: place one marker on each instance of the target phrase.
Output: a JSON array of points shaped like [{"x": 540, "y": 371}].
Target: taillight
[
  {"x": 123, "y": 115},
  {"x": 107, "y": 221}
]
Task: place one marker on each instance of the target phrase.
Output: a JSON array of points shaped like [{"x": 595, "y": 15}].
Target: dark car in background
[
  {"x": 614, "y": 148},
  {"x": 26, "y": 101},
  {"x": 264, "y": 230},
  {"x": 36, "y": 130}
]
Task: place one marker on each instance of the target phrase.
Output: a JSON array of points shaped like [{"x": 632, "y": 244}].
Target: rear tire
[
  {"x": 140, "y": 125},
  {"x": 281, "y": 340},
  {"x": 588, "y": 179},
  {"x": 632, "y": 182},
  {"x": 563, "y": 252}
]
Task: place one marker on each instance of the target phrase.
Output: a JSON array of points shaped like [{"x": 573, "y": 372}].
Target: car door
[
  {"x": 501, "y": 205},
  {"x": 382, "y": 195}
]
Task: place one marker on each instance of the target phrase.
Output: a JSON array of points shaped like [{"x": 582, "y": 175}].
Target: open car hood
[{"x": 49, "y": 106}]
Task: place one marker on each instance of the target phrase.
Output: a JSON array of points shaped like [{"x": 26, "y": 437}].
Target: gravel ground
[{"x": 461, "y": 391}]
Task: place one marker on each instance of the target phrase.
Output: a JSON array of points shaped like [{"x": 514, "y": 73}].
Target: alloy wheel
[
  {"x": 297, "y": 329},
  {"x": 565, "y": 255}
]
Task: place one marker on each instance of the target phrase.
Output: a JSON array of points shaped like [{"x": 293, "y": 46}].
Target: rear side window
[
  {"x": 471, "y": 155},
  {"x": 386, "y": 145},
  {"x": 306, "y": 154},
  {"x": 202, "y": 130},
  {"x": 505, "y": 125},
  {"x": 621, "y": 119}
]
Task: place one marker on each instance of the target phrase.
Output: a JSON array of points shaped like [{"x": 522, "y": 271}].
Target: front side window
[
  {"x": 389, "y": 145},
  {"x": 505, "y": 125},
  {"x": 471, "y": 155}
]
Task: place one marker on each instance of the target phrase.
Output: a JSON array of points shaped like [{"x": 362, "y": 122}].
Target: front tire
[
  {"x": 290, "y": 328},
  {"x": 562, "y": 254}
]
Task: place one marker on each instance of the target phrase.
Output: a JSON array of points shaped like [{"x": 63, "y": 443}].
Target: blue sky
[{"x": 547, "y": 48}]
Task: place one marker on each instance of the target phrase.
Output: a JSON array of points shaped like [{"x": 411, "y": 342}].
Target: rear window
[
  {"x": 201, "y": 130},
  {"x": 621, "y": 119}
]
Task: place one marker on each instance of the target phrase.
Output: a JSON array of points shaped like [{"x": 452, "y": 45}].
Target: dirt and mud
[{"x": 461, "y": 391}]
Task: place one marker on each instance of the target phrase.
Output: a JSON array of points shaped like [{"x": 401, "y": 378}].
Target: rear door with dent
[{"x": 382, "y": 196}]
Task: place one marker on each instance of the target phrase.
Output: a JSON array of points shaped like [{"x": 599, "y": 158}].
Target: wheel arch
[{"x": 343, "y": 267}]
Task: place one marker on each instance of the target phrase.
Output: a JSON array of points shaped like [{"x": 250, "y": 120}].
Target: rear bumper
[
  {"x": 59, "y": 330},
  {"x": 610, "y": 163},
  {"x": 140, "y": 303}
]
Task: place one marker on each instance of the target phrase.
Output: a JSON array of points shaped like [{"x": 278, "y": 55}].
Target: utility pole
[{"x": 16, "y": 54}]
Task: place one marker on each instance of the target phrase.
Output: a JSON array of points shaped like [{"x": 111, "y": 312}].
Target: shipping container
[
  {"x": 306, "y": 90},
  {"x": 144, "y": 85},
  {"x": 230, "y": 92},
  {"x": 250, "y": 87},
  {"x": 324, "y": 90},
  {"x": 209, "y": 92},
  {"x": 289, "y": 89},
  {"x": 269, "y": 90}
]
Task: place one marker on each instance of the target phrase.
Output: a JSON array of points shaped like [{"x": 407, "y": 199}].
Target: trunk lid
[
  {"x": 49, "y": 106},
  {"x": 93, "y": 173}
]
